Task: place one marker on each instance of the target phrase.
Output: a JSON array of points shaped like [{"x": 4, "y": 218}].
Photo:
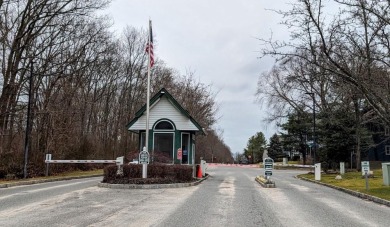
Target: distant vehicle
[{"x": 244, "y": 162}]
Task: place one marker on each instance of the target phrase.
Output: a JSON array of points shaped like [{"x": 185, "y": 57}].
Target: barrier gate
[{"x": 119, "y": 162}]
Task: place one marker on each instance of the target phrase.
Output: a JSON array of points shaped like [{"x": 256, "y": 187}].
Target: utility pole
[
  {"x": 314, "y": 127},
  {"x": 28, "y": 123}
]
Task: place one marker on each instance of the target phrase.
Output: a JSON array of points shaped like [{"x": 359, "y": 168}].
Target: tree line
[
  {"x": 336, "y": 62},
  {"x": 84, "y": 83},
  {"x": 257, "y": 145}
]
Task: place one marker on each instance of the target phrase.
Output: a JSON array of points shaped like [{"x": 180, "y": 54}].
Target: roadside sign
[
  {"x": 365, "y": 167},
  {"x": 144, "y": 157},
  {"x": 268, "y": 166},
  {"x": 310, "y": 143}
]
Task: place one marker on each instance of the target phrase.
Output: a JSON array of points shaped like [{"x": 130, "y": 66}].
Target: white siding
[{"x": 164, "y": 109}]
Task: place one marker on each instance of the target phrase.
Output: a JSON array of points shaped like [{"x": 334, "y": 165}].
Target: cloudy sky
[{"x": 216, "y": 39}]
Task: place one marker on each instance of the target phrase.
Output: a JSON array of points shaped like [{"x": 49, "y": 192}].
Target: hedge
[{"x": 157, "y": 174}]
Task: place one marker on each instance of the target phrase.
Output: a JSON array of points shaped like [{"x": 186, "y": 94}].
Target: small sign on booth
[{"x": 179, "y": 154}]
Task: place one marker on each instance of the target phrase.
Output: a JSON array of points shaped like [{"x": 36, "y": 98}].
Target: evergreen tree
[
  {"x": 275, "y": 149},
  {"x": 298, "y": 129},
  {"x": 255, "y": 148}
]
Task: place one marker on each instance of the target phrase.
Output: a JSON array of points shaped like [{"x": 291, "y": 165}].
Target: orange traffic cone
[{"x": 200, "y": 175}]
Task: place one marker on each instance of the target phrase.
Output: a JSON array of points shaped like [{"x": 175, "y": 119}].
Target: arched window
[{"x": 164, "y": 125}]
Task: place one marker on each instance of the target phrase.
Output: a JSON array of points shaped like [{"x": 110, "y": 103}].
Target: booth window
[{"x": 164, "y": 125}]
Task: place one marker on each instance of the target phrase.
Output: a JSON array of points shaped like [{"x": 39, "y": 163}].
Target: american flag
[{"x": 149, "y": 45}]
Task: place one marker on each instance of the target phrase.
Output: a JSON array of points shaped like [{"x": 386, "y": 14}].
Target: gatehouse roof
[{"x": 164, "y": 106}]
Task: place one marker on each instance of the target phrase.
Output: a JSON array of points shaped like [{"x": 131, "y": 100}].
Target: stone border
[
  {"x": 294, "y": 165},
  {"x": 261, "y": 179},
  {"x": 39, "y": 181},
  {"x": 105, "y": 185},
  {"x": 151, "y": 186},
  {"x": 351, "y": 192}
]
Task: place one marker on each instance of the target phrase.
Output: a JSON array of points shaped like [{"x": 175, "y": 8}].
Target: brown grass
[{"x": 62, "y": 175}]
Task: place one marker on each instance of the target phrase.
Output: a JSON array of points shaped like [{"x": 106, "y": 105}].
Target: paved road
[
  {"x": 15, "y": 197},
  {"x": 230, "y": 197}
]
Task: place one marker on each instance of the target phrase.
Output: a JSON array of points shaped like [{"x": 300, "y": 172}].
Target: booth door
[
  {"x": 163, "y": 146},
  {"x": 185, "y": 146}
]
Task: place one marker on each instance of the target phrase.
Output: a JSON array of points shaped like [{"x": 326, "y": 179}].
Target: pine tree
[{"x": 275, "y": 149}]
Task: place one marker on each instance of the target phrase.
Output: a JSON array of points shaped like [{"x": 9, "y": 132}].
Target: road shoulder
[{"x": 39, "y": 181}]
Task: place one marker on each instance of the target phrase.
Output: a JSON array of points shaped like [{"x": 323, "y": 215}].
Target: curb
[
  {"x": 230, "y": 165},
  {"x": 265, "y": 185},
  {"x": 151, "y": 186},
  {"x": 351, "y": 192},
  {"x": 294, "y": 165},
  {"x": 29, "y": 182}
]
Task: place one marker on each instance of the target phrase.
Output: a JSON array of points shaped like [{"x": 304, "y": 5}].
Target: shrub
[
  {"x": 158, "y": 171},
  {"x": 157, "y": 174},
  {"x": 3, "y": 173},
  {"x": 183, "y": 173},
  {"x": 132, "y": 171},
  {"x": 110, "y": 173}
]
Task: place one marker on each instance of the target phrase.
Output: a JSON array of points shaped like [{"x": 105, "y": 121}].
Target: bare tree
[
  {"x": 86, "y": 83},
  {"x": 347, "y": 50},
  {"x": 37, "y": 31},
  {"x": 352, "y": 45}
]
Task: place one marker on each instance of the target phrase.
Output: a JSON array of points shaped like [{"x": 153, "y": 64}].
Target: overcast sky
[{"x": 216, "y": 39}]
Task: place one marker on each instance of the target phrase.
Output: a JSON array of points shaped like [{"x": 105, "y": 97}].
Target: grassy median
[{"x": 354, "y": 181}]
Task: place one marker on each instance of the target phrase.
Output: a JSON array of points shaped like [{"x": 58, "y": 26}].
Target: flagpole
[{"x": 148, "y": 92}]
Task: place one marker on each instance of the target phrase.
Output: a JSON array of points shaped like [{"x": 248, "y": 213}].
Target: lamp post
[{"x": 314, "y": 127}]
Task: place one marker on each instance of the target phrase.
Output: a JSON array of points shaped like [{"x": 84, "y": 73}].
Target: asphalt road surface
[{"x": 229, "y": 197}]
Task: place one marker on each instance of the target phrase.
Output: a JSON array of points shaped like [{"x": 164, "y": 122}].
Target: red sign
[{"x": 179, "y": 154}]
